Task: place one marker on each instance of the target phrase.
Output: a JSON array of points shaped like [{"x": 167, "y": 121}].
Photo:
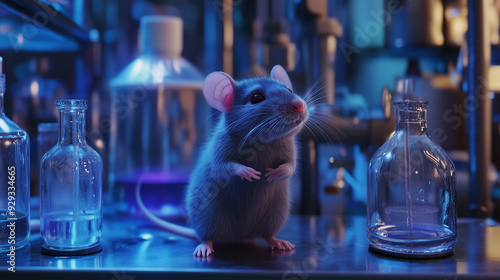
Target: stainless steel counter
[{"x": 326, "y": 248}]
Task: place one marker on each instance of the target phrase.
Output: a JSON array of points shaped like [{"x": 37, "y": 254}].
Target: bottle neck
[
  {"x": 2, "y": 112},
  {"x": 71, "y": 126},
  {"x": 414, "y": 121},
  {"x": 166, "y": 54}
]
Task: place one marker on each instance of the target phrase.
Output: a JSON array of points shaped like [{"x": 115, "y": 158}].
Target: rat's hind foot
[
  {"x": 279, "y": 244},
  {"x": 205, "y": 249}
]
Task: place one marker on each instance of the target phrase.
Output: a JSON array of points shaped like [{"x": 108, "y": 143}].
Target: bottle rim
[
  {"x": 71, "y": 104},
  {"x": 411, "y": 104}
]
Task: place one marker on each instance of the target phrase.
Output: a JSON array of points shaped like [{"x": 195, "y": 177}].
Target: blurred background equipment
[{"x": 159, "y": 119}]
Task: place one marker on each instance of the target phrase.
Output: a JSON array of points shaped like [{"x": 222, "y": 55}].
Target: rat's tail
[{"x": 173, "y": 228}]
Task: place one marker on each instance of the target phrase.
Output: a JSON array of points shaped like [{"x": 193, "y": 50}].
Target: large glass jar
[
  {"x": 14, "y": 181},
  {"x": 71, "y": 187},
  {"x": 159, "y": 121},
  {"x": 411, "y": 191}
]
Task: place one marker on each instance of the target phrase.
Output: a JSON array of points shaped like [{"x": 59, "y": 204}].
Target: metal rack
[{"x": 43, "y": 14}]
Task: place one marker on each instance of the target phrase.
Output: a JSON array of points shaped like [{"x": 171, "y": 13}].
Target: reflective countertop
[{"x": 326, "y": 248}]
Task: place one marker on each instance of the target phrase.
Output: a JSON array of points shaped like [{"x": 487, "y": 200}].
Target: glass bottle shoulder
[
  {"x": 60, "y": 153},
  {"x": 421, "y": 147},
  {"x": 155, "y": 70},
  {"x": 8, "y": 128}
]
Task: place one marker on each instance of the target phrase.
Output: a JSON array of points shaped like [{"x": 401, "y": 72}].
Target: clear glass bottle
[
  {"x": 14, "y": 180},
  {"x": 411, "y": 208},
  {"x": 158, "y": 121},
  {"x": 71, "y": 187}
]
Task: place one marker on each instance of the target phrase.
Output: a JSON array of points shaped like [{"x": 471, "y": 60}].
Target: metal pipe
[
  {"x": 228, "y": 33},
  {"x": 276, "y": 45},
  {"x": 44, "y": 15},
  {"x": 319, "y": 45},
  {"x": 218, "y": 36},
  {"x": 478, "y": 105},
  {"x": 318, "y": 51}
]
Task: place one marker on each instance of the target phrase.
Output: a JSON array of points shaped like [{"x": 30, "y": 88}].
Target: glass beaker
[
  {"x": 71, "y": 187},
  {"x": 411, "y": 191},
  {"x": 14, "y": 180}
]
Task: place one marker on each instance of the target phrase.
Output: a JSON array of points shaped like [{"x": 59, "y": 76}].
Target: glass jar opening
[
  {"x": 411, "y": 105},
  {"x": 411, "y": 111},
  {"x": 71, "y": 104}
]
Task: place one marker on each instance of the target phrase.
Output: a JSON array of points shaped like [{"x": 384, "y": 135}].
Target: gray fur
[{"x": 222, "y": 206}]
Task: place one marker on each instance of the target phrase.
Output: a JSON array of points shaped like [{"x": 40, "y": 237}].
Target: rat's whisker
[
  {"x": 322, "y": 127},
  {"x": 316, "y": 90}
]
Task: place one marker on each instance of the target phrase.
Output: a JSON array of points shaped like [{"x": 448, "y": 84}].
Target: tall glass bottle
[
  {"x": 71, "y": 187},
  {"x": 411, "y": 191},
  {"x": 158, "y": 121},
  {"x": 14, "y": 180}
]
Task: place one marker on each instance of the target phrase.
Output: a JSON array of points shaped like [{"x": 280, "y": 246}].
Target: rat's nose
[{"x": 298, "y": 105}]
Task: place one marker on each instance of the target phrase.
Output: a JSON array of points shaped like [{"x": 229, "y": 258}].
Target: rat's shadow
[{"x": 246, "y": 254}]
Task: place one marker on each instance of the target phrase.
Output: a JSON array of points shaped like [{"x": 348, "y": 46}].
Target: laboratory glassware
[
  {"x": 14, "y": 180},
  {"x": 71, "y": 187},
  {"x": 411, "y": 209},
  {"x": 159, "y": 120}
]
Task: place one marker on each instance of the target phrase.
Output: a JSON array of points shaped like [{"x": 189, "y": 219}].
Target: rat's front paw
[
  {"x": 282, "y": 172},
  {"x": 279, "y": 244},
  {"x": 246, "y": 172}
]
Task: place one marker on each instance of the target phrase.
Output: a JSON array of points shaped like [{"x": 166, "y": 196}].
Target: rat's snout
[{"x": 298, "y": 105}]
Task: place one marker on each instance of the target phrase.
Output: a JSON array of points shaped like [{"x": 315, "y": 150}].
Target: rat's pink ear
[
  {"x": 280, "y": 75},
  {"x": 218, "y": 89}
]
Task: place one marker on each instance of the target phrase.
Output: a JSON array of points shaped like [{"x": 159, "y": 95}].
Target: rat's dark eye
[
  {"x": 289, "y": 90},
  {"x": 257, "y": 97}
]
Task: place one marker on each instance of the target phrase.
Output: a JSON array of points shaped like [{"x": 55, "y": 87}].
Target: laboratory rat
[{"x": 239, "y": 189}]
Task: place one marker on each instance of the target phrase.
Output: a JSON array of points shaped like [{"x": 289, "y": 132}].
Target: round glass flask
[
  {"x": 411, "y": 191},
  {"x": 71, "y": 187}
]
